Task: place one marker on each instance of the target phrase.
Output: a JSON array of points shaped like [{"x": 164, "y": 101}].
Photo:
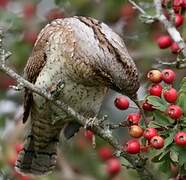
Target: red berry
[
  {"x": 184, "y": 3},
  {"x": 127, "y": 11},
  {"x": 154, "y": 76},
  {"x": 18, "y": 147},
  {"x": 105, "y": 153},
  {"x": 135, "y": 131},
  {"x": 168, "y": 76},
  {"x": 121, "y": 102},
  {"x": 20, "y": 176},
  {"x": 30, "y": 37},
  {"x": 174, "y": 170},
  {"x": 29, "y": 10},
  {"x": 180, "y": 138},
  {"x": 179, "y": 20},
  {"x": 145, "y": 148},
  {"x": 12, "y": 160},
  {"x": 147, "y": 107},
  {"x": 24, "y": 177},
  {"x": 6, "y": 81},
  {"x": 55, "y": 13},
  {"x": 164, "y": 41},
  {"x": 181, "y": 178},
  {"x": 3, "y": 3},
  {"x": 89, "y": 134},
  {"x": 177, "y": 2},
  {"x": 113, "y": 166},
  {"x": 166, "y": 13},
  {"x": 157, "y": 142},
  {"x": 134, "y": 118},
  {"x": 155, "y": 90},
  {"x": 149, "y": 133},
  {"x": 177, "y": 5},
  {"x": 174, "y": 111},
  {"x": 170, "y": 95},
  {"x": 175, "y": 48},
  {"x": 132, "y": 147}
]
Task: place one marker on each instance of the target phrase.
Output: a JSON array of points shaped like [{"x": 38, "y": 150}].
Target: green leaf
[
  {"x": 168, "y": 140},
  {"x": 176, "y": 148},
  {"x": 161, "y": 118},
  {"x": 157, "y": 158},
  {"x": 160, "y": 157},
  {"x": 157, "y": 103},
  {"x": 182, "y": 101},
  {"x": 154, "y": 124},
  {"x": 181, "y": 154},
  {"x": 2, "y": 121},
  {"x": 165, "y": 164},
  {"x": 174, "y": 156},
  {"x": 183, "y": 170},
  {"x": 183, "y": 122},
  {"x": 57, "y": 2},
  {"x": 125, "y": 162},
  {"x": 164, "y": 154},
  {"x": 183, "y": 85},
  {"x": 10, "y": 20},
  {"x": 182, "y": 157}
]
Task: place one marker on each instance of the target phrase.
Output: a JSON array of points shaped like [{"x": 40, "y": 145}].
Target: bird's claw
[
  {"x": 19, "y": 87},
  {"x": 55, "y": 90},
  {"x": 91, "y": 122},
  {"x": 103, "y": 119}
]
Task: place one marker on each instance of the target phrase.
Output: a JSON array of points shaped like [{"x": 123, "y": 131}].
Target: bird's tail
[{"x": 37, "y": 161}]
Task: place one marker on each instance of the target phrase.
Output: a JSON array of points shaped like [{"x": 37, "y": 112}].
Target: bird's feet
[
  {"x": 19, "y": 87},
  {"x": 56, "y": 89},
  {"x": 91, "y": 122}
]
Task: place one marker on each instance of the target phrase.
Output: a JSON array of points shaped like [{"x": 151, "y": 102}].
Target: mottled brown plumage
[{"x": 89, "y": 58}]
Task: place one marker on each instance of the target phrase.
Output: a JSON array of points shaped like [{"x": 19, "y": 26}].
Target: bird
[{"x": 84, "y": 57}]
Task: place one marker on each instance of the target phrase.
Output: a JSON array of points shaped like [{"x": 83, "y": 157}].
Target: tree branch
[
  {"x": 171, "y": 29},
  {"x": 173, "y": 32},
  {"x": 101, "y": 131}
]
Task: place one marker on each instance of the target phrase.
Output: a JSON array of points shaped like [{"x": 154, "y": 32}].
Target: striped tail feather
[
  {"x": 37, "y": 162},
  {"x": 39, "y": 154}
]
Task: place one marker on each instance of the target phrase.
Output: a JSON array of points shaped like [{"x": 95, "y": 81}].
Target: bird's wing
[{"x": 34, "y": 65}]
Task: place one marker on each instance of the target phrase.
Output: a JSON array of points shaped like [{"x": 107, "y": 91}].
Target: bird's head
[{"x": 123, "y": 77}]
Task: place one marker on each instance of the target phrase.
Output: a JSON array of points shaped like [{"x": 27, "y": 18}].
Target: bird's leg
[
  {"x": 56, "y": 89},
  {"x": 94, "y": 121},
  {"x": 19, "y": 87},
  {"x": 103, "y": 119},
  {"x": 91, "y": 122}
]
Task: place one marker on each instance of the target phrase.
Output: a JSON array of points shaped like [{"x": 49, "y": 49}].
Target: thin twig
[
  {"x": 173, "y": 32},
  {"x": 137, "y": 7},
  {"x": 169, "y": 26}
]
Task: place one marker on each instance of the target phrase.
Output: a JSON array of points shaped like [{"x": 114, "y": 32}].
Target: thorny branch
[
  {"x": 173, "y": 32},
  {"x": 102, "y": 131}
]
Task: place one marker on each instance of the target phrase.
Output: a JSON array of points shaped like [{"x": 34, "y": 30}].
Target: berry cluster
[
  {"x": 133, "y": 146},
  {"x": 113, "y": 165},
  {"x": 166, "y": 129},
  {"x": 161, "y": 90},
  {"x": 164, "y": 90},
  {"x": 179, "y": 7},
  {"x": 168, "y": 93}
]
